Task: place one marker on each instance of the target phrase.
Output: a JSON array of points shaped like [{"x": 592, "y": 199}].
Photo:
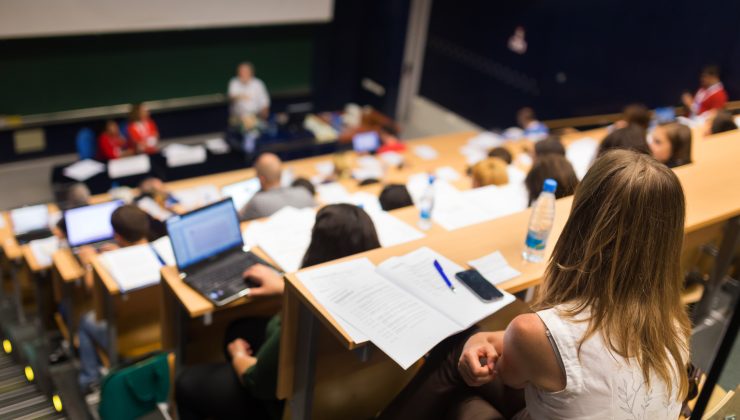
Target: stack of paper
[
  {"x": 403, "y": 306},
  {"x": 217, "y": 146},
  {"x": 391, "y": 230},
  {"x": 193, "y": 198},
  {"x": 128, "y": 166},
  {"x": 494, "y": 268},
  {"x": 332, "y": 193},
  {"x": 83, "y": 170},
  {"x": 498, "y": 201},
  {"x": 153, "y": 209},
  {"x": 43, "y": 249},
  {"x": 163, "y": 248},
  {"x": 181, "y": 155},
  {"x": 132, "y": 267},
  {"x": 426, "y": 152},
  {"x": 285, "y": 236},
  {"x": 368, "y": 202},
  {"x": 581, "y": 154}
]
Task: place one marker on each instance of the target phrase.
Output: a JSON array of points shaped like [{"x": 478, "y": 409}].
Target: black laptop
[{"x": 208, "y": 248}]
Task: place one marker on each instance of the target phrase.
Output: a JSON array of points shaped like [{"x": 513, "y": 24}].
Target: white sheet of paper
[
  {"x": 241, "y": 192},
  {"x": 447, "y": 173},
  {"x": 193, "y": 198},
  {"x": 132, "y": 267},
  {"x": 217, "y": 146},
  {"x": 486, "y": 140},
  {"x": 180, "y": 155},
  {"x": 516, "y": 175},
  {"x": 27, "y": 219},
  {"x": 494, "y": 268},
  {"x": 452, "y": 211},
  {"x": 83, "y": 170},
  {"x": 581, "y": 154},
  {"x": 399, "y": 324},
  {"x": 472, "y": 154},
  {"x": 416, "y": 185},
  {"x": 127, "y": 166},
  {"x": 252, "y": 233},
  {"x": 153, "y": 209},
  {"x": 426, "y": 152},
  {"x": 498, "y": 201},
  {"x": 394, "y": 159},
  {"x": 415, "y": 273},
  {"x": 163, "y": 248},
  {"x": 43, "y": 249},
  {"x": 286, "y": 235},
  {"x": 325, "y": 168},
  {"x": 332, "y": 193},
  {"x": 391, "y": 230},
  {"x": 368, "y": 202}
]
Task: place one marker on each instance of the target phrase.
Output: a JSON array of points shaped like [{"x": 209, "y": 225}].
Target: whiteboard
[{"x": 36, "y": 18}]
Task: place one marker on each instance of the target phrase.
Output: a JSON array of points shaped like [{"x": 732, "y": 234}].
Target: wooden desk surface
[{"x": 67, "y": 265}]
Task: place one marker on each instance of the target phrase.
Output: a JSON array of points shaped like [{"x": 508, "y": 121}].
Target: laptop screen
[
  {"x": 242, "y": 192},
  {"x": 90, "y": 224},
  {"x": 29, "y": 219},
  {"x": 366, "y": 142},
  {"x": 204, "y": 233}
]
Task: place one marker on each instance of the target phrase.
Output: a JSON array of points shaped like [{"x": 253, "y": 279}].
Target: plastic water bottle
[
  {"x": 540, "y": 223},
  {"x": 426, "y": 205}
]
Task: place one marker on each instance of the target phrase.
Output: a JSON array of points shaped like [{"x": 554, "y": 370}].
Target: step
[
  {"x": 27, "y": 406},
  {"x": 18, "y": 393},
  {"x": 10, "y": 371},
  {"x": 12, "y": 383}
]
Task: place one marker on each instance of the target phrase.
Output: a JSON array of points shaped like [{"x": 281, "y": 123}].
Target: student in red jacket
[
  {"x": 710, "y": 96},
  {"x": 142, "y": 130},
  {"x": 111, "y": 144}
]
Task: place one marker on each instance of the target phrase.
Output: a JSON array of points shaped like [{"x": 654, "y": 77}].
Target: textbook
[
  {"x": 403, "y": 305},
  {"x": 133, "y": 267}
]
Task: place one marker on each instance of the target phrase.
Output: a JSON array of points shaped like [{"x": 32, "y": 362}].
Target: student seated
[
  {"x": 501, "y": 153},
  {"x": 710, "y": 96},
  {"x": 273, "y": 197},
  {"x": 111, "y": 143},
  {"x": 628, "y": 138},
  {"x": 77, "y": 195},
  {"x": 394, "y": 196},
  {"x": 551, "y": 166},
  {"x": 637, "y": 115},
  {"x": 245, "y": 387},
  {"x": 304, "y": 183},
  {"x": 671, "y": 144},
  {"x": 722, "y": 122},
  {"x": 142, "y": 131},
  {"x": 130, "y": 227},
  {"x": 489, "y": 171},
  {"x": 155, "y": 189},
  {"x": 610, "y": 336},
  {"x": 390, "y": 141},
  {"x": 550, "y": 145},
  {"x": 533, "y": 129}
]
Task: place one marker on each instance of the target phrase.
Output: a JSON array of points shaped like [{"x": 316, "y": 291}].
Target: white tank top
[{"x": 599, "y": 384}]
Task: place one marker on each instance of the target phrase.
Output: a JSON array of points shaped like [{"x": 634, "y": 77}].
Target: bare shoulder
[
  {"x": 527, "y": 336},
  {"x": 527, "y": 329}
]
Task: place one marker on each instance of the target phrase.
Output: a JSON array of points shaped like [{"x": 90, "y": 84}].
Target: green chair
[{"x": 133, "y": 391}]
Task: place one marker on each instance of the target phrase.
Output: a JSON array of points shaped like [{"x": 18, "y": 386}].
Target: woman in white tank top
[{"x": 609, "y": 340}]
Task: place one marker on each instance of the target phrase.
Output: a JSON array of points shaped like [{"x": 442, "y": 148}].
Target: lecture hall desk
[{"x": 317, "y": 384}]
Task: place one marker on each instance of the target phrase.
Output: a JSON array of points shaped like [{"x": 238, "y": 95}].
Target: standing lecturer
[{"x": 248, "y": 95}]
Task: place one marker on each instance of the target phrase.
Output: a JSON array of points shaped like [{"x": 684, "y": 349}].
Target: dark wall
[{"x": 583, "y": 58}]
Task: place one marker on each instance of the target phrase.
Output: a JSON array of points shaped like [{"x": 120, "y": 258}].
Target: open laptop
[
  {"x": 208, "y": 248},
  {"x": 90, "y": 225},
  {"x": 241, "y": 192},
  {"x": 366, "y": 142},
  {"x": 30, "y": 222}
]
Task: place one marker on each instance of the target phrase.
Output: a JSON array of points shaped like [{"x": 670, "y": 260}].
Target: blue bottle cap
[
  {"x": 431, "y": 179},
  {"x": 550, "y": 185}
]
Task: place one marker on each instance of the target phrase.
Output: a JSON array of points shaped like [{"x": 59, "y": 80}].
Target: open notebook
[
  {"x": 403, "y": 306},
  {"x": 135, "y": 267}
]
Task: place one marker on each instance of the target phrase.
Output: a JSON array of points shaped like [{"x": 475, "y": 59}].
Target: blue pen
[{"x": 444, "y": 276}]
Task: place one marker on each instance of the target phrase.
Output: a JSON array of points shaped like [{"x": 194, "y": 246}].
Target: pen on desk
[{"x": 444, "y": 276}]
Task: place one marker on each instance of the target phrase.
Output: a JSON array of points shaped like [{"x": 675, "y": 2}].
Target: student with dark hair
[
  {"x": 627, "y": 138},
  {"x": 130, "y": 227},
  {"x": 552, "y": 166},
  {"x": 246, "y": 386},
  {"x": 303, "y": 182},
  {"x": 550, "y": 145},
  {"x": 722, "y": 122},
  {"x": 501, "y": 153},
  {"x": 610, "y": 335},
  {"x": 671, "y": 144},
  {"x": 394, "y": 196},
  {"x": 142, "y": 131},
  {"x": 711, "y": 94},
  {"x": 637, "y": 115}
]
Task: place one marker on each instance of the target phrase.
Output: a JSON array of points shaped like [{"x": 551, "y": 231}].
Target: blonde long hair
[{"x": 618, "y": 257}]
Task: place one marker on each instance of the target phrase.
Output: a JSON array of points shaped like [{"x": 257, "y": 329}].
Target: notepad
[
  {"x": 43, "y": 249},
  {"x": 494, "y": 268},
  {"x": 286, "y": 235},
  {"x": 402, "y": 306},
  {"x": 391, "y": 230},
  {"x": 83, "y": 170},
  {"x": 163, "y": 248},
  {"x": 153, "y": 209},
  {"x": 132, "y": 267},
  {"x": 498, "y": 201},
  {"x": 128, "y": 166}
]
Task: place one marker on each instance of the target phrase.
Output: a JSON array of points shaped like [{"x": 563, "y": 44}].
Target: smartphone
[{"x": 479, "y": 285}]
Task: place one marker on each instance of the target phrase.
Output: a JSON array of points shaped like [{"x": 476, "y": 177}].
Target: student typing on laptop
[
  {"x": 272, "y": 197},
  {"x": 246, "y": 386},
  {"x": 130, "y": 227}
]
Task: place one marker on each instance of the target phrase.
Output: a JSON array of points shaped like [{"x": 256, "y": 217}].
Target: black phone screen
[{"x": 479, "y": 285}]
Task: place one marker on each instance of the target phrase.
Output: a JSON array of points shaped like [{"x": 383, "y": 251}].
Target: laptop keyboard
[{"x": 224, "y": 279}]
